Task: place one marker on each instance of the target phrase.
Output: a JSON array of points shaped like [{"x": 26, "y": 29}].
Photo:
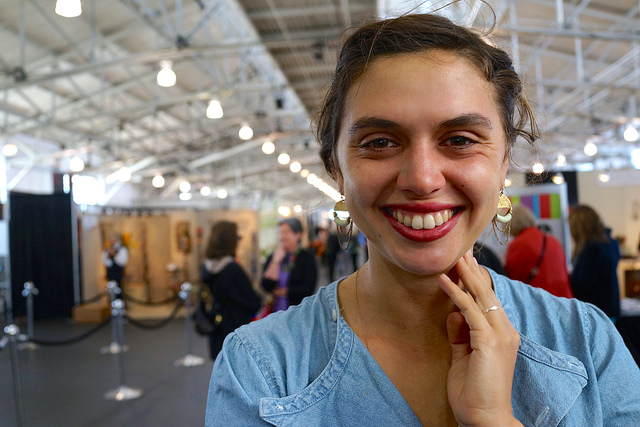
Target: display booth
[{"x": 165, "y": 248}]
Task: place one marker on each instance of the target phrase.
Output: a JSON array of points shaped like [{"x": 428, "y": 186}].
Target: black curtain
[{"x": 40, "y": 244}]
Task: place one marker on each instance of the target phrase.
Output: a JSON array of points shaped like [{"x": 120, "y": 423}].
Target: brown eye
[
  {"x": 378, "y": 143},
  {"x": 460, "y": 141}
]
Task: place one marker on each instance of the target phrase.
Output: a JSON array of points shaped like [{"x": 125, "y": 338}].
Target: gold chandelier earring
[
  {"x": 342, "y": 218},
  {"x": 502, "y": 219}
]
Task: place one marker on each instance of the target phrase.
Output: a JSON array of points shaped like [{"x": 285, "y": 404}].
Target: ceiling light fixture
[
  {"x": 284, "y": 159},
  {"x": 205, "y": 191},
  {"x": 222, "y": 193},
  {"x": 76, "y": 164},
  {"x": 268, "y": 147},
  {"x": 558, "y": 179},
  {"x": 185, "y": 187},
  {"x": 9, "y": 150},
  {"x": 166, "y": 76},
  {"x": 68, "y": 8},
  {"x": 158, "y": 181},
  {"x": 604, "y": 177},
  {"x": 214, "y": 109},
  {"x": 245, "y": 133},
  {"x": 284, "y": 211},
  {"x": 630, "y": 134},
  {"x": 304, "y": 173},
  {"x": 537, "y": 168},
  {"x": 590, "y": 149},
  {"x": 185, "y": 196},
  {"x": 507, "y": 182},
  {"x": 561, "y": 161},
  {"x": 295, "y": 167}
]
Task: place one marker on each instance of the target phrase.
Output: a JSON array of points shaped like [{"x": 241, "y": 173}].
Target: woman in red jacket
[{"x": 536, "y": 258}]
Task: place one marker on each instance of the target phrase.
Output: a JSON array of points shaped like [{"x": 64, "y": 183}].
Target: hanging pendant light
[
  {"x": 166, "y": 76},
  {"x": 214, "y": 109},
  {"x": 68, "y": 8}
]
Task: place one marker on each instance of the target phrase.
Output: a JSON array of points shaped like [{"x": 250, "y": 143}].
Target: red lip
[{"x": 423, "y": 235}]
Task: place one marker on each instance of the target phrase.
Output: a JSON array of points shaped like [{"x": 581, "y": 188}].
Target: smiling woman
[{"x": 417, "y": 129}]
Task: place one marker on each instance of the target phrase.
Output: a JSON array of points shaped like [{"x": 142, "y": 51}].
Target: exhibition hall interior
[{"x": 139, "y": 124}]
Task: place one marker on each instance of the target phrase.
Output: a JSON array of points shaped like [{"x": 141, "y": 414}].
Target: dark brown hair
[
  {"x": 585, "y": 225},
  {"x": 223, "y": 240},
  {"x": 421, "y": 33}
]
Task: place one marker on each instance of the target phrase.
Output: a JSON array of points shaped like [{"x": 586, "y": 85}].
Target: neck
[{"x": 402, "y": 303}]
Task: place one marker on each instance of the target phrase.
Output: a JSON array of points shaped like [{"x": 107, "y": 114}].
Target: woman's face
[
  {"x": 422, "y": 155},
  {"x": 288, "y": 238}
]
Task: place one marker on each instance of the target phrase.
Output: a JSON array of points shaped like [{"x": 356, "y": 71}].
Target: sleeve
[
  {"x": 243, "y": 293},
  {"x": 267, "y": 284},
  {"x": 108, "y": 262},
  {"x": 618, "y": 375},
  {"x": 236, "y": 386},
  {"x": 122, "y": 257},
  {"x": 517, "y": 264},
  {"x": 591, "y": 279},
  {"x": 305, "y": 279}
]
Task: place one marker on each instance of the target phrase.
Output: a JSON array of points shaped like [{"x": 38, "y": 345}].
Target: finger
[
  {"x": 458, "y": 335},
  {"x": 476, "y": 283},
  {"x": 465, "y": 302}
]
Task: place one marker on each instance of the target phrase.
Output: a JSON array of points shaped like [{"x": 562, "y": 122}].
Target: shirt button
[{"x": 334, "y": 315}]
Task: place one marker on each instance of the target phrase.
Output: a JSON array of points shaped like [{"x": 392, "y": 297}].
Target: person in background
[
  {"x": 487, "y": 257},
  {"x": 417, "y": 129},
  {"x": 535, "y": 257},
  {"x": 290, "y": 273},
  {"x": 228, "y": 283},
  {"x": 115, "y": 257},
  {"x": 594, "y": 276}
]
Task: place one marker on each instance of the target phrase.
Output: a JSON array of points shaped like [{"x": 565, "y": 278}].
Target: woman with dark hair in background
[
  {"x": 228, "y": 283},
  {"x": 594, "y": 277}
]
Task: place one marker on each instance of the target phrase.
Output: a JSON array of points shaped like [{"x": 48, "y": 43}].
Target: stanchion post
[
  {"x": 189, "y": 360},
  {"x": 114, "y": 347},
  {"x": 14, "y": 335},
  {"x": 122, "y": 392},
  {"x": 28, "y": 292}
]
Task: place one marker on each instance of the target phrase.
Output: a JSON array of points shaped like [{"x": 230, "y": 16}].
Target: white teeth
[
  {"x": 429, "y": 222},
  {"x": 439, "y": 219},
  {"x": 419, "y": 222}
]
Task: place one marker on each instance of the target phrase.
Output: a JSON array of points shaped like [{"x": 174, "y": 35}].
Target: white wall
[{"x": 617, "y": 202}]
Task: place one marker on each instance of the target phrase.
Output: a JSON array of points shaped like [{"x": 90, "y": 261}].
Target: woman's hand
[
  {"x": 278, "y": 255},
  {"x": 484, "y": 347}
]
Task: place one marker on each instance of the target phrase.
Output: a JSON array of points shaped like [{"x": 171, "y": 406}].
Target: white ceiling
[{"x": 87, "y": 85}]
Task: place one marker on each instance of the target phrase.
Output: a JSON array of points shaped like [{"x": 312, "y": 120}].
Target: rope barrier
[
  {"x": 137, "y": 301},
  {"x": 74, "y": 339},
  {"x": 48, "y": 298},
  {"x": 158, "y": 325}
]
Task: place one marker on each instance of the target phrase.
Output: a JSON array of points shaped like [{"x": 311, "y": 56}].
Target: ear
[
  {"x": 505, "y": 167},
  {"x": 339, "y": 180}
]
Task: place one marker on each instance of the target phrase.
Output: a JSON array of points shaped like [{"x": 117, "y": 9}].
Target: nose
[{"x": 422, "y": 170}]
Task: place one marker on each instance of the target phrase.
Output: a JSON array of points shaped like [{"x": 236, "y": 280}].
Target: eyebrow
[
  {"x": 472, "y": 119},
  {"x": 372, "y": 122}
]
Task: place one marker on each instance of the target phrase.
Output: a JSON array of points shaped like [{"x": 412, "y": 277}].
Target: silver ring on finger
[{"x": 492, "y": 308}]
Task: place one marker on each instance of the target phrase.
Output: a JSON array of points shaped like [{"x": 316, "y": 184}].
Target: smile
[{"x": 420, "y": 221}]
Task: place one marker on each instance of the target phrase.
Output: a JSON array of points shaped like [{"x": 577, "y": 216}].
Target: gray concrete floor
[{"x": 65, "y": 385}]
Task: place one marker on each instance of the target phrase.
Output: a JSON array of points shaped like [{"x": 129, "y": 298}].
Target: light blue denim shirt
[{"x": 306, "y": 367}]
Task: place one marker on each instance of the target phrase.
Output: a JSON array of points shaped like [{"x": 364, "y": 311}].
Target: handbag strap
[{"x": 536, "y": 268}]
